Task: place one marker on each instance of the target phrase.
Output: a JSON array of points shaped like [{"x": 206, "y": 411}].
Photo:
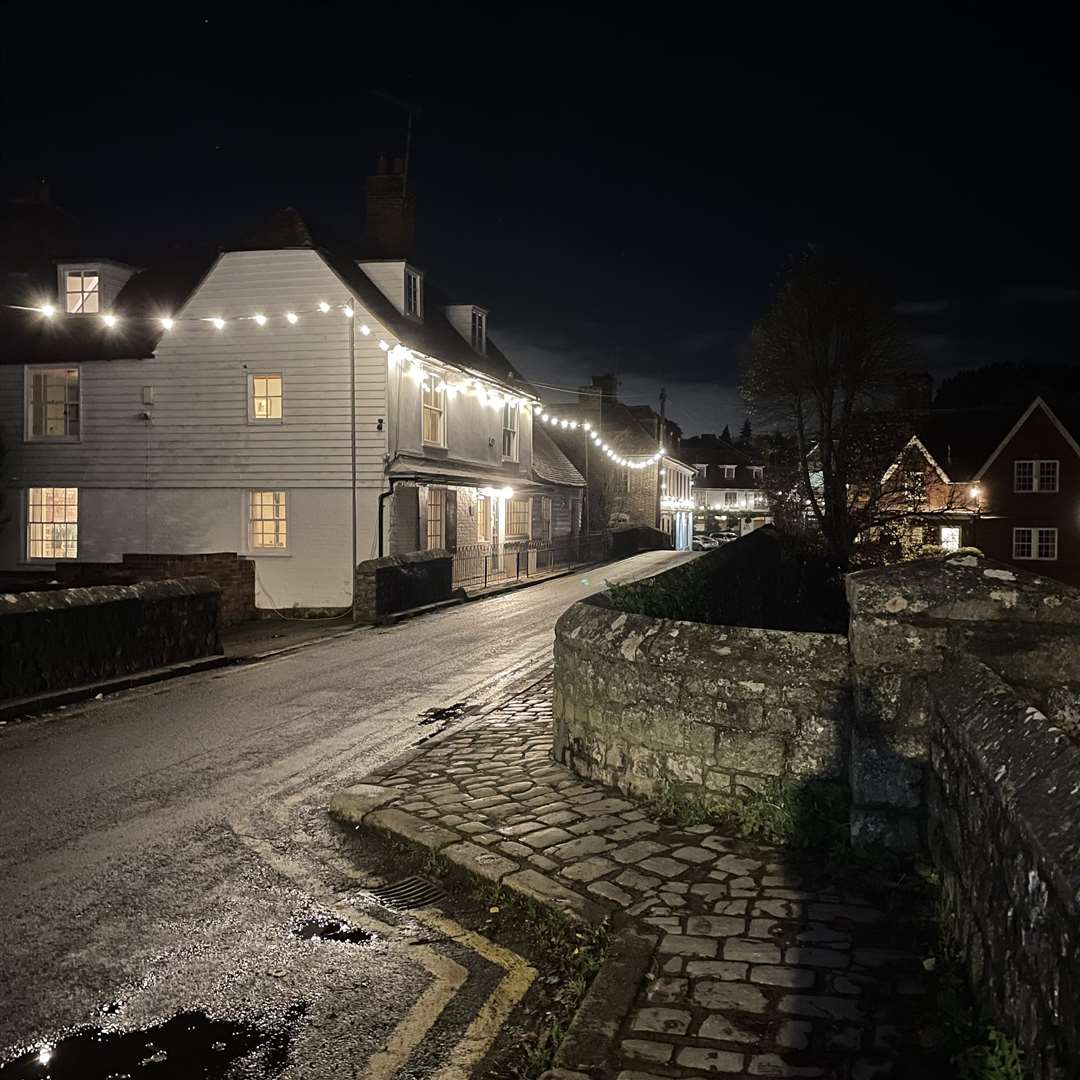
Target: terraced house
[{"x": 285, "y": 402}]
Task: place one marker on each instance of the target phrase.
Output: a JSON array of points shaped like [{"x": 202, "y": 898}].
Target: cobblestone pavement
[{"x": 755, "y": 973}]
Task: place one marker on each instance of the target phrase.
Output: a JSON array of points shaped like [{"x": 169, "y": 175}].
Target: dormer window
[
  {"x": 414, "y": 293},
  {"x": 479, "y": 331},
  {"x": 81, "y": 295},
  {"x": 729, "y": 471},
  {"x": 757, "y": 472}
]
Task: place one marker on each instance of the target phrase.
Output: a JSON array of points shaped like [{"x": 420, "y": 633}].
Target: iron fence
[{"x": 478, "y": 566}]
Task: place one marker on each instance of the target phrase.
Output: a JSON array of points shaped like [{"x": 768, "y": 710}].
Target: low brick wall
[
  {"x": 642, "y": 703},
  {"x": 69, "y": 637},
  {"x": 1004, "y": 830},
  {"x": 402, "y": 582},
  {"x": 234, "y": 575}
]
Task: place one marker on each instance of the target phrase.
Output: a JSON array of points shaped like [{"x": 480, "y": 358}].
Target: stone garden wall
[
  {"x": 1004, "y": 831},
  {"x": 642, "y": 703},
  {"x": 70, "y": 637},
  {"x": 906, "y": 622}
]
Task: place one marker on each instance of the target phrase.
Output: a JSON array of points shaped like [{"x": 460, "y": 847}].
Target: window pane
[
  {"x": 268, "y": 519},
  {"x": 1024, "y": 472},
  {"x": 1047, "y": 544},
  {"x": 52, "y": 530},
  {"x": 1022, "y": 544},
  {"x": 1048, "y": 475}
]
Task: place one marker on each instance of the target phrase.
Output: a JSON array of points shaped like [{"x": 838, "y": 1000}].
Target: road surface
[{"x": 160, "y": 847}]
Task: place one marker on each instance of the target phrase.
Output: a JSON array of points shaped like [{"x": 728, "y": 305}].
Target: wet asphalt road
[{"x": 158, "y": 845}]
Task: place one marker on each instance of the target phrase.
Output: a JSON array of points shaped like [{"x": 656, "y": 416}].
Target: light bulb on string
[
  {"x": 292, "y": 316},
  {"x": 219, "y": 324},
  {"x": 48, "y": 310},
  {"x": 167, "y": 323},
  {"x": 348, "y": 311},
  {"x": 260, "y": 320},
  {"x": 109, "y": 320},
  {"x": 324, "y": 307}
]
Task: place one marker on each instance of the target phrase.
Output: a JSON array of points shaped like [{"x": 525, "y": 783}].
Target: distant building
[
  {"x": 658, "y": 494},
  {"x": 729, "y": 485},
  {"x": 1003, "y": 479}
]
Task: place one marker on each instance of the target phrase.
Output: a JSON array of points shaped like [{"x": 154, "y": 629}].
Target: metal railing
[{"x": 479, "y": 566}]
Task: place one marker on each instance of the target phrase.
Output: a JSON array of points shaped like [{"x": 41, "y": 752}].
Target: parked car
[
  {"x": 703, "y": 543},
  {"x": 724, "y": 537}
]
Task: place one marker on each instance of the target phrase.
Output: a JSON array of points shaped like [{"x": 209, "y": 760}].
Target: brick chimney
[{"x": 391, "y": 211}]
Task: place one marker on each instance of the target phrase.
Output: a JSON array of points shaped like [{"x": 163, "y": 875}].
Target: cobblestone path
[{"x": 755, "y": 973}]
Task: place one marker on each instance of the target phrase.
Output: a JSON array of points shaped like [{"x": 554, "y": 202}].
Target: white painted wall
[
  {"x": 388, "y": 276},
  {"x": 199, "y": 454}
]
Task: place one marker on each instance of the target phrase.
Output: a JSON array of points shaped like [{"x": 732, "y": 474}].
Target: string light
[
  {"x": 167, "y": 323},
  {"x": 219, "y": 324},
  {"x": 109, "y": 320},
  {"x": 292, "y": 316},
  {"x": 348, "y": 311},
  {"x": 365, "y": 330},
  {"x": 260, "y": 319},
  {"x": 48, "y": 311},
  {"x": 324, "y": 307}
]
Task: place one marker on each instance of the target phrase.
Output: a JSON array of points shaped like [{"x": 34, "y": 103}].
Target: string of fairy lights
[{"x": 426, "y": 371}]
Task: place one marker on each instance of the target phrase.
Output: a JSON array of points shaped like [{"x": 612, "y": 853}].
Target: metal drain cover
[{"x": 410, "y": 892}]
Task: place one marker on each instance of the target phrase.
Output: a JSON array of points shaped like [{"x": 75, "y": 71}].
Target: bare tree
[{"x": 827, "y": 345}]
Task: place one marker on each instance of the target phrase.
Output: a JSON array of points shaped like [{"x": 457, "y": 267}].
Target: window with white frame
[
  {"x": 479, "y": 330},
  {"x": 1035, "y": 543},
  {"x": 1035, "y": 475},
  {"x": 729, "y": 471},
  {"x": 267, "y": 520},
  {"x": 414, "y": 293},
  {"x": 518, "y": 517},
  {"x": 760, "y": 501},
  {"x": 757, "y": 471},
  {"x": 52, "y": 403},
  {"x": 52, "y": 523},
  {"x": 510, "y": 432},
  {"x": 731, "y": 498},
  {"x": 436, "y": 518},
  {"x": 434, "y": 408},
  {"x": 266, "y": 397},
  {"x": 950, "y": 537},
  {"x": 81, "y": 296}
]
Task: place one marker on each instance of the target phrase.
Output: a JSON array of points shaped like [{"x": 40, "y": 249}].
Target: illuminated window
[
  {"x": 52, "y": 407},
  {"x": 479, "y": 331},
  {"x": 518, "y": 518},
  {"x": 268, "y": 520},
  {"x": 1035, "y": 544},
  {"x": 483, "y": 517},
  {"x": 52, "y": 523},
  {"x": 1035, "y": 476},
  {"x": 510, "y": 434},
  {"x": 434, "y": 413},
  {"x": 436, "y": 518},
  {"x": 729, "y": 471},
  {"x": 950, "y": 537},
  {"x": 414, "y": 294},
  {"x": 266, "y": 397},
  {"x": 81, "y": 292},
  {"x": 731, "y": 498}
]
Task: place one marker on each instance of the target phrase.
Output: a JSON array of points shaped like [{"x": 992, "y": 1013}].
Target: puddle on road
[
  {"x": 445, "y": 715},
  {"x": 188, "y": 1045},
  {"x": 323, "y": 928}
]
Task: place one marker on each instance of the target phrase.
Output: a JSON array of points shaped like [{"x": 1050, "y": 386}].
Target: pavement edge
[{"x": 588, "y": 1047}]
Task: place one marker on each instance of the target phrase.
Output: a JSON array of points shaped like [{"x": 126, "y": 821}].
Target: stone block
[
  {"x": 411, "y": 828},
  {"x": 353, "y": 804},
  {"x": 539, "y": 887},
  {"x": 479, "y": 860}
]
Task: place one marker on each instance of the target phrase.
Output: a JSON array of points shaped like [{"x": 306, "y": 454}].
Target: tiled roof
[{"x": 550, "y": 463}]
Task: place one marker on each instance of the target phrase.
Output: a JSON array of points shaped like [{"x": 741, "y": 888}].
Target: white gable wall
[{"x": 180, "y": 482}]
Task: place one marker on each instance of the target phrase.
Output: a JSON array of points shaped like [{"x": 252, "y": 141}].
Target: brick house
[
  {"x": 656, "y": 493},
  {"x": 1003, "y": 479}
]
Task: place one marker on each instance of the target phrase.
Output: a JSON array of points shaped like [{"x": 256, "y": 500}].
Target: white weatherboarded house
[{"x": 279, "y": 415}]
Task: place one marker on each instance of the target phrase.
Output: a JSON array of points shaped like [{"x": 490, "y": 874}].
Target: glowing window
[
  {"x": 267, "y": 521},
  {"x": 414, "y": 294},
  {"x": 53, "y": 403},
  {"x": 483, "y": 517},
  {"x": 266, "y": 397},
  {"x": 950, "y": 537},
  {"x": 518, "y": 518},
  {"x": 81, "y": 296},
  {"x": 436, "y": 517},
  {"x": 52, "y": 523}
]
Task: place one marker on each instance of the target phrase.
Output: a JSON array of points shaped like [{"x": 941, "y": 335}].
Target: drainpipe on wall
[
  {"x": 392, "y": 480},
  {"x": 352, "y": 433}
]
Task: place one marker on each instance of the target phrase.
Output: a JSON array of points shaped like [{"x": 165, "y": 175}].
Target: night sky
[{"x": 619, "y": 196}]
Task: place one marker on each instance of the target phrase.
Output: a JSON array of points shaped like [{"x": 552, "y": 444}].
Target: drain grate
[{"x": 410, "y": 892}]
